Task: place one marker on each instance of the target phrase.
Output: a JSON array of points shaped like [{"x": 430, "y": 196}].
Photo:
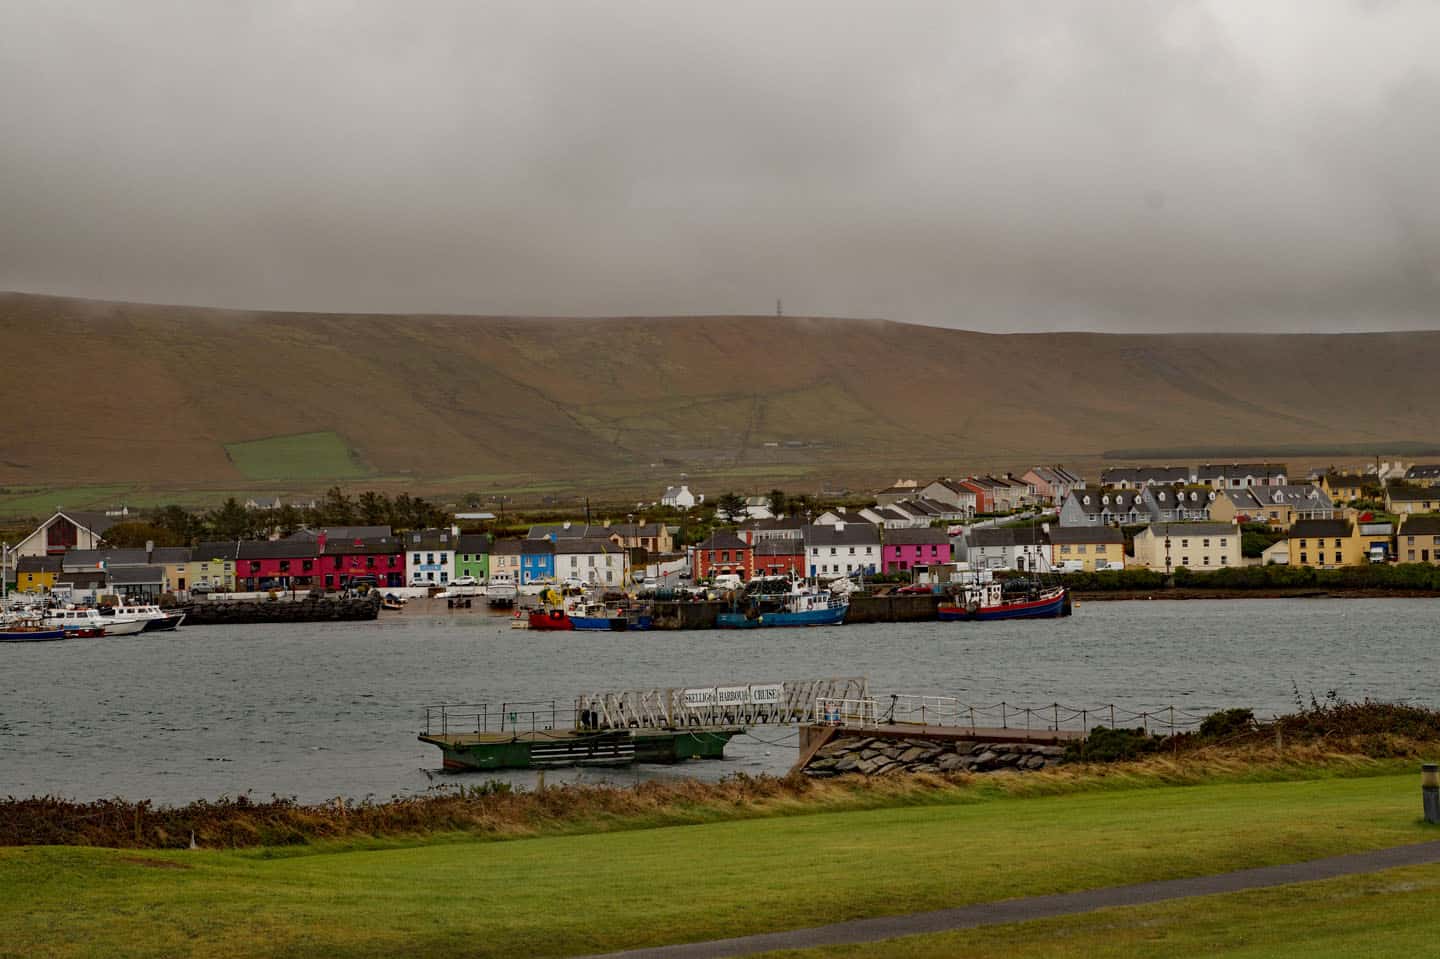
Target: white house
[
  {"x": 758, "y": 507},
  {"x": 842, "y": 549},
  {"x": 593, "y": 562},
  {"x": 430, "y": 556},
  {"x": 1026, "y": 548},
  {"x": 680, "y": 497}
]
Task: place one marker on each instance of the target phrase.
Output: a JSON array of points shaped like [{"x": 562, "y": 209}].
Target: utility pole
[{"x": 779, "y": 307}]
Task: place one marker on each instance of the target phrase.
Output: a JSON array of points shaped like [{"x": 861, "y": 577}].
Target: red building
[
  {"x": 984, "y": 494},
  {"x": 777, "y": 557},
  {"x": 724, "y": 553},
  {"x": 286, "y": 564},
  {"x": 356, "y": 561}
]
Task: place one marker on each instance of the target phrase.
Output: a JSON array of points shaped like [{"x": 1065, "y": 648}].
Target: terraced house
[
  {"x": 1419, "y": 540},
  {"x": 724, "y": 553},
  {"x": 1410, "y": 499},
  {"x": 1091, "y": 547},
  {"x": 842, "y": 549},
  {"x": 472, "y": 556},
  {"x": 430, "y": 556},
  {"x": 1195, "y": 546},
  {"x": 905, "y": 549},
  {"x": 1329, "y": 543},
  {"x": 1276, "y": 506}
]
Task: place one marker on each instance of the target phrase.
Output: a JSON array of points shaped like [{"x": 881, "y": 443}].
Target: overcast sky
[{"x": 1138, "y": 165}]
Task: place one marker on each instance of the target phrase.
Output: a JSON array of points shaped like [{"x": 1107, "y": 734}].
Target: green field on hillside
[
  {"x": 299, "y": 457},
  {"x": 566, "y": 895},
  {"x": 43, "y": 501}
]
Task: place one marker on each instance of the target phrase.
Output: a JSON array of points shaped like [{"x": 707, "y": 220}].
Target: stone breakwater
[
  {"x": 245, "y": 612},
  {"x": 884, "y": 756}
]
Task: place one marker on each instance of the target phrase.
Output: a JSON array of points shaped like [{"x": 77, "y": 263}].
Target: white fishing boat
[
  {"x": 86, "y": 621},
  {"x": 152, "y": 618}
]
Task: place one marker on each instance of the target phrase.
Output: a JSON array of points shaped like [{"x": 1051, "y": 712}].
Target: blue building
[{"x": 537, "y": 561}]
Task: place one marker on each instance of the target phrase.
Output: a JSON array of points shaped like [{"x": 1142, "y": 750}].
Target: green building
[{"x": 472, "y": 556}]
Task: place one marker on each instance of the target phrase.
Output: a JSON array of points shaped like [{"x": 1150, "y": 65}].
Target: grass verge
[{"x": 567, "y": 894}]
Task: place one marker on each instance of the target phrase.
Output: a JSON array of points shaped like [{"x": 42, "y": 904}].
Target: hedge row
[{"x": 1403, "y": 576}]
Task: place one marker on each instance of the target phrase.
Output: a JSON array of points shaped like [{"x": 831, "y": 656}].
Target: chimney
[
  {"x": 149, "y": 549},
  {"x": 565, "y": 525},
  {"x": 320, "y": 538},
  {"x": 455, "y": 530},
  {"x": 839, "y": 526}
]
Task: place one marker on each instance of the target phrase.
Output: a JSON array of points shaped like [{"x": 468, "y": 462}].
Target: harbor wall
[{"x": 242, "y": 612}]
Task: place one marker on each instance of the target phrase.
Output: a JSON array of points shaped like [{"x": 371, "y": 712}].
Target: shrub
[
  {"x": 1105, "y": 745},
  {"x": 1227, "y": 723}
]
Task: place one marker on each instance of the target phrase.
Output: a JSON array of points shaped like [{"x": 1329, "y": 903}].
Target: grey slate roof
[
  {"x": 915, "y": 536},
  {"x": 377, "y": 546},
  {"x": 1412, "y": 495},
  {"x": 473, "y": 544},
  {"x": 1201, "y": 529},
  {"x": 1320, "y": 528},
  {"x": 722, "y": 539},
  {"x": 138, "y": 576},
  {"x": 277, "y": 549},
  {"x": 39, "y": 564},
  {"x": 222, "y": 549},
  {"x": 506, "y": 547},
  {"x": 111, "y": 557},
  {"x": 781, "y": 546},
  {"x": 1072, "y": 535},
  {"x": 1420, "y": 525},
  {"x": 170, "y": 555},
  {"x": 1423, "y": 471},
  {"x": 1006, "y": 536},
  {"x": 342, "y": 532},
  {"x": 853, "y": 534}
]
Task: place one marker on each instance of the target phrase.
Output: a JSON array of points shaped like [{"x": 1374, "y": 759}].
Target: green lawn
[
  {"x": 572, "y": 894},
  {"x": 302, "y": 456},
  {"x": 1390, "y": 913}
]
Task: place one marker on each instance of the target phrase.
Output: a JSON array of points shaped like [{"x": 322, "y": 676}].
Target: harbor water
[{"x": 316, "y": 711}]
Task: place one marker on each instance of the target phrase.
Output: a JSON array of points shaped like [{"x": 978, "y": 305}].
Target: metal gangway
[{"x": 793, "y": 702}]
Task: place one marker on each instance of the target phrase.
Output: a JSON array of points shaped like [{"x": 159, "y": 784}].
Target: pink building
[
  {"x": 283, "y": 564},
  {"x": 907, "y": 548}
]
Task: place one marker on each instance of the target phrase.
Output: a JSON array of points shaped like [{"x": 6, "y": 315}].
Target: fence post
[
  {"x": 972, "y": 719},
  {"x": 1085, "y": 722},
  {"x": 1057, "y": 716},
  {"x": 1430, "y": 791},
  {"x": 1004, "y": 720}
]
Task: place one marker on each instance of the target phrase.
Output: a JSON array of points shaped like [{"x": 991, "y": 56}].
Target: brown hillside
[{"x": 150, "y": 394}]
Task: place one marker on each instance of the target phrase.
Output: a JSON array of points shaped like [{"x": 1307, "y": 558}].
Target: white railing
[
  {"x": 846, "y": 712},
  {"x": 924, "y": 710}
]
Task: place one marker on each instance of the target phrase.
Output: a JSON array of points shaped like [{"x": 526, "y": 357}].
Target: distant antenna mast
[{"x": 779, "y": 307}]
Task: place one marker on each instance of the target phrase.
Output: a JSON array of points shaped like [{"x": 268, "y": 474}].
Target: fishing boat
[
  {"x": 780, "y": 601},
  {"x": 80, "y": 622},
  {"x": 1025, "y": 599},
  {"x": 152, "y": 618},
  {"x": 24, "y": 629},
  {"x": 501, "y": 591}
]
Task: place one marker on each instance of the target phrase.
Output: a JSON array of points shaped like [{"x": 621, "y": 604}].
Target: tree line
[{"x": 176, "y": 526}]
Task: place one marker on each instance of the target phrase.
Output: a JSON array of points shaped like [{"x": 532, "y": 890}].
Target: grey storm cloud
[{"x": 1157, "y": 165}]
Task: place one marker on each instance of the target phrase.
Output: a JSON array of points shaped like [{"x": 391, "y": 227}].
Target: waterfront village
[{"x": 1048, "y": 519}]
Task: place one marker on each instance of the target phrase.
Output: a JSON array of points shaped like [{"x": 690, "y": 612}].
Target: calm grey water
[{"x": 323, "y": 710}]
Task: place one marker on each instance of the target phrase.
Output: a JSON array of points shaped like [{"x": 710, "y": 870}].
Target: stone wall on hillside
[{"x": 878, "y": 756}]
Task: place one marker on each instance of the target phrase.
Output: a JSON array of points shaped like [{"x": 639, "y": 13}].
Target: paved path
[{"x": 1043, "y": 907}]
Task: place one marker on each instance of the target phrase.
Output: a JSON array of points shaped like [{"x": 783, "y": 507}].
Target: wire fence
[{"x": 948, "y": 711}]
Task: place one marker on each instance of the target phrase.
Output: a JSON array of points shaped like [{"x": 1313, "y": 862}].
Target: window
[
  {"x": 307, "y": 565},
  {"x": 1205, "y": 560},
  {"x": 1222, "y": 542},
  {"x": 832, "y": 553},
  {"x": 1064, "y": 550},
  {"x": 1080, "y": 549},
  {"x": 1337, "y": 544},
  {"x": 254, "y": 566},
  {"x": 852, "y": 551},
  {"x": 1206, "y": 543},
  {"x": 1224, "y": 561},
  {"x": 394, "y": 560},
  {"x": 284, "y": 566},
  {"x": 338, "y": 563},
  {"x": 1410, "y": 541},
  {"x": 574, "y": 562},
  {"x": 1185, "y": 561},
  {"x": 429, "y": 559},
  {"x": 444, "y": 557},
  {"x": 1320, "y": 558},
  {"x": 1304, "y": 558},
  {"x": 1184, "y": 544}
]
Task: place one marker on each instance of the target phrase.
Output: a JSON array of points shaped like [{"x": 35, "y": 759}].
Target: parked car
[{"x": 465, "y": 581}]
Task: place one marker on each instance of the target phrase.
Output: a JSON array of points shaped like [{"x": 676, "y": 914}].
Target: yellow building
[
  {"x": 36, "y": 574},
  {"x": 1410, "y": 499},
  {"x": 1328, "y": 543},
  {"x": 214, "y": 572},
  {"x": 1344, "y": 487},
  {"x": 1419, "y": 540},
  {"x": 1193, "y": 546},
  {"x": 1091, "y": 547}
]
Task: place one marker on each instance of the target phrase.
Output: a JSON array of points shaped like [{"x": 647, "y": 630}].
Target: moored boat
[
  {"x": 983, "y": 602},
  {"x": 152, "y": 618},
  {"x": 28, "y": 630},
  {"x": 794, "y": 603}
]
